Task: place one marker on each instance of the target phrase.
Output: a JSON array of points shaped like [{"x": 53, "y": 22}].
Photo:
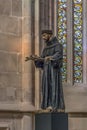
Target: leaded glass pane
[
  {"x": 62, "y": 34},
  {"x": 78, "y": 41}
]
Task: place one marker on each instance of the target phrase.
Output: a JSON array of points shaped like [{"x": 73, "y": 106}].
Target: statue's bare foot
[{"x": 49, "y": 108}]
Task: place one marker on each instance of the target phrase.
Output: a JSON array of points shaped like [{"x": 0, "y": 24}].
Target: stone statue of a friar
[{"x": 50, "y": 62}]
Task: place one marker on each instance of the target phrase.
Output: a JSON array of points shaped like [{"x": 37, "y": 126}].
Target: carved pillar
[
  {"x": 55, "y": 18},
  {"x": 69, "y": 44},
  {"x": 27, "y": 72},
  {"x": 37, "y": 45}
]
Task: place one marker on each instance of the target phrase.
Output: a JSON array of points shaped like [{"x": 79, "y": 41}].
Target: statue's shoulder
[
  {"x": 56, "y": 42},
  {"x": 58, "y": 46}
]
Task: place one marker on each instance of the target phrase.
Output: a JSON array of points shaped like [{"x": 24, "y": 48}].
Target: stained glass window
[
  {"x": 62, "y": 34},
  {"x": 78, "y": 41},
  {"x": 77, "y": 37}
]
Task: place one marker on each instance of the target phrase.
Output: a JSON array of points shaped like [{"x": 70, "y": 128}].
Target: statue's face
[{"x": 46, "y": 36}]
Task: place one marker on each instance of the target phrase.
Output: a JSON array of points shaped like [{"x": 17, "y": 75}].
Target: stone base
[{"x": 51, "y": 121}]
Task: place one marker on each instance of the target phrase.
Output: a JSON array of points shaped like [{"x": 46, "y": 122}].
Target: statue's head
[{"x": 47, "y": 34}]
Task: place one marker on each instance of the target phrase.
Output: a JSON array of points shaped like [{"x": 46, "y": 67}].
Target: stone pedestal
[{"x": 51, "y": 121}]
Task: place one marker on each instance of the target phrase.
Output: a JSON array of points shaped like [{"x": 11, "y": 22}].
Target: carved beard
[{"x": 46, "y": 40}]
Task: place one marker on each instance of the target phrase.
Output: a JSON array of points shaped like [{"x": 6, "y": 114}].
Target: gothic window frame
[{"x": 70, "y": 44}]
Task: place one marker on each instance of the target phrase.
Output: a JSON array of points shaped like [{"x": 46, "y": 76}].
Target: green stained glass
[
  {"x": 62, "y": 34},
  {"x": 78, "y": 48}
]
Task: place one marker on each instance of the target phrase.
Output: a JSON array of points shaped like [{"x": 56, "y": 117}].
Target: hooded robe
[{"x": 52, "y": 92}]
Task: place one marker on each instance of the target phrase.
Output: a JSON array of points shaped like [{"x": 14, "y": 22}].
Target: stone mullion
[
  {"x": 44, "y": 14},
  {"x": 50, "y": 14},
  {"x": 27, "y": 83},
  {"x": 47, "y": 14},
  {"x": 37, "y": 50},
  {"x": 69, "y": 43},
  {"x": 55, "y": 17},
  {"x": 85, "y": 43},
  {"x": 42, "y": 19},
  {"x": 52, "y": 18}
]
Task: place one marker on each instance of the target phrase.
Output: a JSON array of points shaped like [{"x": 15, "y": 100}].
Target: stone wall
[
  {"x": 10, "y": 51},
  {"x": 15, "y": 36},
  {"x": 15, "y": 74}
]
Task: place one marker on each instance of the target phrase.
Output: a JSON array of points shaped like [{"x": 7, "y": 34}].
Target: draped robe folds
[{"x": 52, "y": 92}]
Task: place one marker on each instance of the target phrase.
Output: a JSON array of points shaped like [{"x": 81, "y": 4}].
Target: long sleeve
[
  {"x": 39, "y": 64},
  {"x": 58, "y": 52},
  {"x": 58, "y": 56}
]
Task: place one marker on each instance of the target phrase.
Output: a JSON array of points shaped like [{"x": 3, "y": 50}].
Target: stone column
[
  {"x": 55, "y": 18},
  {"x": 27, "y": 82},
  {"x": 37, "y": 45}
]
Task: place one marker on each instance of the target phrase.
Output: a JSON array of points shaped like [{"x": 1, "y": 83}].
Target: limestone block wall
[
  {"x": 78, "y": 123},
  {"x": 15, "y": 121},
  {"x": 10, "y": 51},
  {"x": 15, "y": 74},
  {"x": 15, "y": 44}
]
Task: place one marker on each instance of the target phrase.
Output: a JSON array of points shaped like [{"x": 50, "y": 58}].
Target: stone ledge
[
  {"x": 75, "y": 102},
  {"x": 20, "y": 107}
]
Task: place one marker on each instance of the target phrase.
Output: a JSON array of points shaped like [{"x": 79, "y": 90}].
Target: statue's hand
[
  {"x": 32, "y": 57},
  {"x": 35, "y": 56},
  {"x": 26, "y": 58},
  {"x": 48, "y": 58}
]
